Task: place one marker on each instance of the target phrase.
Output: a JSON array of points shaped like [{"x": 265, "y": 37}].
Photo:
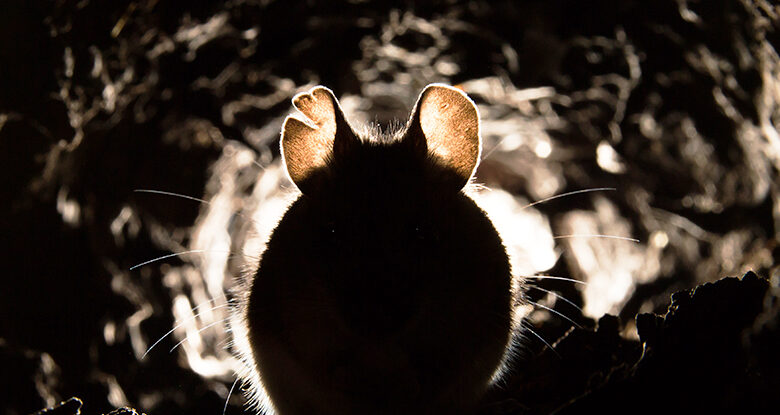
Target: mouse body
[{"x": 384, "y": 288}]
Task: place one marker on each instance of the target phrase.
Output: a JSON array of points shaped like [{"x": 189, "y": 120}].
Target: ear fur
[
  {"x": 308, "y": 142},
  {"x": 445, "y": 124}
]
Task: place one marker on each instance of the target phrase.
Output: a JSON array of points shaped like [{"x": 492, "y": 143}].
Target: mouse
[{"x": 384, "y": 288}]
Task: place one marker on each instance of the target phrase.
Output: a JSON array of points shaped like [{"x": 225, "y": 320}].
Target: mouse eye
[
  {"x": 329, "y": 227},
  {"x": 421, "y": 231},
  {"x": 326, "y": 230}
]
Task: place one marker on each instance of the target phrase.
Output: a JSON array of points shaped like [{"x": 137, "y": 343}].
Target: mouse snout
[{"x": 378, "y": 299}]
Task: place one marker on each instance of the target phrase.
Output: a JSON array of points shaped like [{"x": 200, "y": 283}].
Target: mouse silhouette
[{"x": 384, "y": 288}]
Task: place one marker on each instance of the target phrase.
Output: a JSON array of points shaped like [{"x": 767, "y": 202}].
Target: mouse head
[
  {"x": 443, "y": 130},
  {"x": 384, "y": 287}
]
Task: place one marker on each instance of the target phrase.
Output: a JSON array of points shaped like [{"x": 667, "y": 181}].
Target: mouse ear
[
  {"x": 445, "y": 124},
  {"x": 309, "y": 142}
]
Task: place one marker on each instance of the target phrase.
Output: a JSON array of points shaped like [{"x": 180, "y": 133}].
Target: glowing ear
[
  {"x": 445, "y": 123},
  {"x": 308, "y": 143}
]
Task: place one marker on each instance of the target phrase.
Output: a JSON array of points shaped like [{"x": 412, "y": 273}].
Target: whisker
[
  {"x": 556, "y": 312},
  {"x": 200, "y": 330},
  {"x": 162, "y": 192},
  {"x": 263, "y": 168},
  {"x": 207, "y": 302},
  {"x": 595, "y": 189},
  {"x": 550, "y": 277},
  {"x": 193, "y": 251},
  {"x": 495, "y": 147},
  {"x": 205, "y": 202},
  {"x": 228, "y": 396},
  {"x": 529, "y": 327},
  {"x": 551, "y": 292},
  {"x": 583, "y": 235},
  {"x": 179, "y": 325},
  {"x": 202, "y": 304}
]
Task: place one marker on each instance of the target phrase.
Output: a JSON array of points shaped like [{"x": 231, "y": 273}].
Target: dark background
[{"x": 97, "y": 99}]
